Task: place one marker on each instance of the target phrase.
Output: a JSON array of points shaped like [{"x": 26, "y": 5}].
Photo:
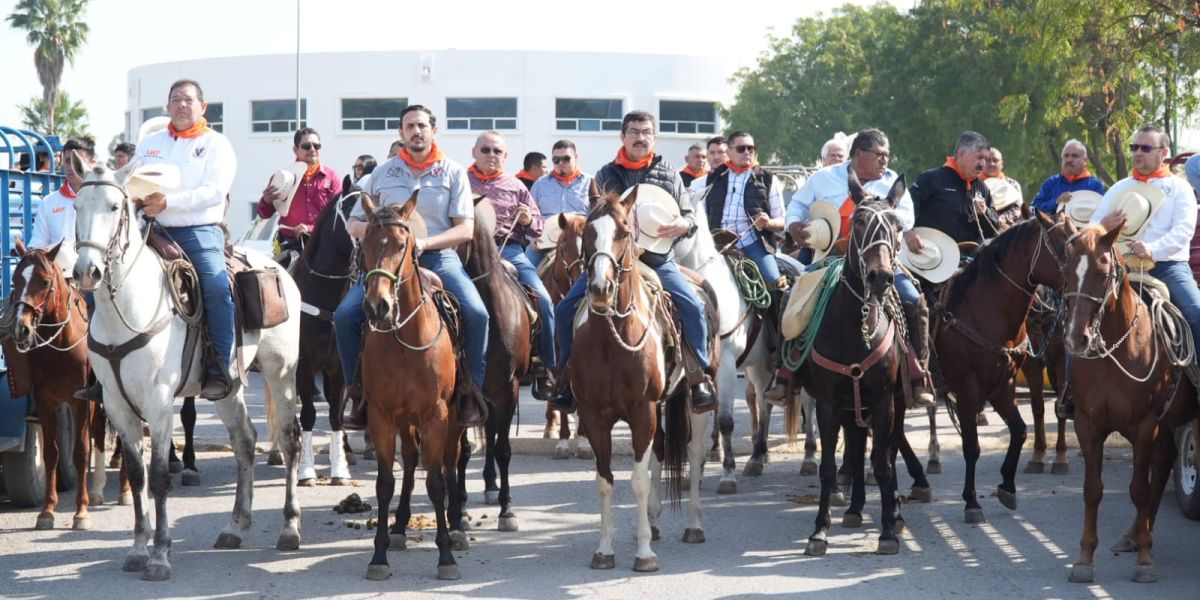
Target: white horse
[{"x": 132, "y": 297}]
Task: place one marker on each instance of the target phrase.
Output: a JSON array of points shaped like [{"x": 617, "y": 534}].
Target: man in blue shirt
[{"x": 1074, "y": 177}]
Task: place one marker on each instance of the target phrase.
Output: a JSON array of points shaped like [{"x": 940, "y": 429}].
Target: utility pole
[{"x": 298, "y": 114}]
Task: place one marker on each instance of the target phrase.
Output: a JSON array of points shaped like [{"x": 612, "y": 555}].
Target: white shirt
[
  {"x": 55, "y": 222},
  {"x": 832, "y": 184},
  {"x": 207, "y": 166},
  {"x": 734, "y": 217},
  {"x": 1168, "y": 235}
]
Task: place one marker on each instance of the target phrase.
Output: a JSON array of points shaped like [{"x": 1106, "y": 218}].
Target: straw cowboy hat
[
  {"x": 485, "y": 213},
  {"x": 148, "y": 179},
  {"x": 801, "y": 303},
  {"x": 551, "y": 231},
  {"x": 824, "y": 226},
  {"x": 153, "y": 125},
  {"x": 1082, "y": 206},
  {"x": 1138, "y": 200},
  {"x": 937, "y": 261},
  {"x": 287, "y": 180},
  {"x": 1004, "y": 194},
  {"x": 655, "y": 207}
]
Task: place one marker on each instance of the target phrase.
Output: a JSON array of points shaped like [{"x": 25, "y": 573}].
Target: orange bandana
[
  {"x": 523, "y": 174},
  {"x": 1163, "y": 171},
  {"x": 1082, "y": 175},
  {"x": 435, "y": 154},
  {"x": 474, "y": 170},
  {"x": 310, "y": 172},
  {"x": 846, "y": 210},
  {"x": 567, "y": 179},
  {"x": 196, "y": 130},
  {"x": 66, "y": 190},
  {"x": 696, "y": 174},
  {"x": 999, "y": 176},
  {"x": 739, "y": 170},
  {"x": 953, "y": 164},
  {"x": 624, "y": 160}
]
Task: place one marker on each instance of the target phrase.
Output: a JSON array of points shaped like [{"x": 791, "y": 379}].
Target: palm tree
[
  {"x": 68, "y": 119},
  {"x": 56, "y": 29}
]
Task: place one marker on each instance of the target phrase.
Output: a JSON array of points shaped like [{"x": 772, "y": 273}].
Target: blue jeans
[
  {"x": 348, "y": 318},
  {"x": 205, "y": 247},
  {"x": 527, "y": 274},
  {"x": 767, "y": 265},
  {"x": 691, "y": 312},
  {"x": 1182, "y": 287},
  {"x": 534, "y": 255}
]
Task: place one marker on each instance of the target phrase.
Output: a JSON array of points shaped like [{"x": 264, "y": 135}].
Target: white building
[{"x": 354, "y": 101}]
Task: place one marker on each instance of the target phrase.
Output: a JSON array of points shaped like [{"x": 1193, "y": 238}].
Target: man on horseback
[
  {"x": 444, "y": 202},
  {"x": 869, "y": 156},
  {"x": 566, "y": 190},
  {"x": 518, "y": 223},
  {"x": 637, "y": 163},
  {"x": 55, "y": 220},
  {"x": 1074, "y": 177},
  {"x": 319, "y": 185},
  {"x": 952, "y": 199}
]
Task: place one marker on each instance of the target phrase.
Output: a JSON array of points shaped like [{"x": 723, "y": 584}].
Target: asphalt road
[{"x": 754, "y": 548}]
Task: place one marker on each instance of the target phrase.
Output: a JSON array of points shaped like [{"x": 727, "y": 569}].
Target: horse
[
  {"x": 1125, "y": 377},
  {"x": 619, "y": 328},
  {"x": 854, "y": 370},
  {"x": 136, "y": 324},
  {"x": 409, "y": 376},
  {"x": 1046, "y": 355},
  {"x": 565, "y": 267},
  {"x": 979, "y": 336}
]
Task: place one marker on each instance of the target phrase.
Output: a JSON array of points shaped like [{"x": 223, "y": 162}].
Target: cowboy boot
[
  {"x": 543, "y": 383},
  {"x": 468, "y": 407},
  {"x": 777, "y": 392},
  {"x": 357, "y": 421},
  {"x": 216, "y": 383},
  {"x": 916, "y": 318},
  {"x": 565, "y": 399},
  {"x": 94, "y": 392}
]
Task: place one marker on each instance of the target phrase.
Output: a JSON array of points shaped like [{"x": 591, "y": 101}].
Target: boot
[
  {"x": 565, "y": 400},
  {"x": 216, "y": 383},
  {"x": 543, "y": 384},
  {"x": 778, "y": 391},
  {"x": 307, "y": 471},
  {"x": 916, "y": 318},
  {"x": 1065, "y": 407},
  {"x": 703, "y": 399},
  {"x": 357, "y": 421},
  {"x": 468, "y": 407},
  {"x": 93, "y": 393},
  {"x": 339, "y": 469},
  {"x": 772, "y": 329}
]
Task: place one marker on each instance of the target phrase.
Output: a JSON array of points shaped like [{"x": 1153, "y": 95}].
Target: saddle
[{"x": 528, "y": 295}]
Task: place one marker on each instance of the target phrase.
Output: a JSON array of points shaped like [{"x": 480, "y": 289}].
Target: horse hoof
[
  {"x": 115, "y": 460},
  {"x": 95, "y": 497},
  {"x": 507, "y": 523},
  {"x": 378, "y": 572},
  {"x": 338, "y": 482},
  {"x": 1144, "y": 574},
  {"x": 1060, "y": 468},
  {"x": 464, "y": 524},
  {"x": 275, "y": 458},
  {"x": 156, "y": 573},
  {"x": 727, "y": 486},
  {"x": 648, "y": 564},
  {"x": 307, "y": 483},
  {"x": 921, "y": 494},
  {"x": 135, "y": 563},
  {"x": 1124, "y": 545},
  {"x": 175, "y": 467},
  {"x": 754, "y": 468},
  {"x": 654, "y": 533},
  {"x": 82, "y": 524},
  {"x": 458, "y": 541},
  {"x": 562, "y": 452},
  {"x": 491, "y": 497},
  {"x": 397, "y": 542},
  {"x": 288, "y": 542},
  {"x": 190, "y": 478},
  {"x": 449, "y": 573},
  {"x": 228, "y": 541},
  {"x": 585, "y": 453},
  {"x": 888, "y": 547},
  {"x": 852, "y": 521},
  {"x": 1007, "y": 498},
  {"x": 837, "y": 498},
  {"x": 126, "y": 499},
  {"x": 974, "y": 516},
  {"x": 1035, "y": 468},
  {"x": 1082, "y": 574},
  {"x": 45, "y": 522},
  {"x": 604, "y": 561},
  {"x": 693, "y": 535},
  {"x": 933, "y": 467},
  {"x": 816, "y": 548},
  {"x": 809, "y": 468}
]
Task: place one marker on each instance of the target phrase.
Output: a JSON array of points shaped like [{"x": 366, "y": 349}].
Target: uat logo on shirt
[{"x": 152, "y": 153}]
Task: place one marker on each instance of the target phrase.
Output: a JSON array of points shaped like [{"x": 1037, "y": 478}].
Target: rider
[
  {"x": 869, "y": 156},
  {"x": 444, "y": 202},
  {"x": 319, "y": 185},
  {"x": 637, "y": 163},
  {"x": 518, "y": 222},
  {"x": 1073, "y": 177},
  {"x": 55, "y": 222},
  {"x": 567, "y": 190},
  {"x": 952, "y": 199}
]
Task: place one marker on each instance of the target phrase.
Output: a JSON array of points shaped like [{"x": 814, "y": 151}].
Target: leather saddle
[{"x": 529, "y": 296}]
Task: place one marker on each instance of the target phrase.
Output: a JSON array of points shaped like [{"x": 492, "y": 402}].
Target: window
[
  {"x": 481, "y": 114},
  {"x": 276, "y": 116},
  {"x": 675, "y": 116},
  {"x": 150, "y": 113},
  {"x": 372, "y": 114},
  {"x": 583, "y": 114},
  {"x": 216, "y": 116}
]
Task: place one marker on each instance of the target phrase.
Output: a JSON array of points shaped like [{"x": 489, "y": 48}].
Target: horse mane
[
  {"x": 313, "y": 248},
  {"x": 988, "y": 260}
]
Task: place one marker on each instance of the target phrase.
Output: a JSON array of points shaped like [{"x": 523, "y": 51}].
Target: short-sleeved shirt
[{"x": 444, "y": 193}]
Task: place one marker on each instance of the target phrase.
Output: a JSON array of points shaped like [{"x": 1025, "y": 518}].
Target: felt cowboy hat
[
  {"x": 937, "y": 261},
  {"x": 144, "y": 180},
  {"x": 655, "y": 207},
  {"x": 485, "y": 214},
  {"x": 1004, "y": 194},
  {"x": 1138, "y": 200},
  {"x": 152, "y": 125},
  {"x": 287, "y": 180},
  {"x": 1081, "y": 206},
  {"x": 551, "y": 231},
  {"x": 824, "y": 226}
]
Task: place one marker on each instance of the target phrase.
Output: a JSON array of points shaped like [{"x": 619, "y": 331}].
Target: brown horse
[
  {"x": 566, "y": 266},
  {"x": 409, "y": 370},
  {"x": 1124, "y": 378},
  {"x": 978, "y": 331},
  {"x": 1046, "y": 355},
  {"x": 51, "y": 326},
  {"x": 619, "y": 332}
]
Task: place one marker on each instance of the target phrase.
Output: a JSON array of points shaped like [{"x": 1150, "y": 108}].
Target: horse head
[
  {"x": 569, "y": 249},
  {"x": 609, "y": 249},
  {"x": 389, "y": 252},
  {"x": 874, "y": 236},
  {"x": 1091, "y": 278},
  {"x": 1049, "y": 256},
  {"x": 38, "y": 288},
  {"x": 103, "y": 217}
]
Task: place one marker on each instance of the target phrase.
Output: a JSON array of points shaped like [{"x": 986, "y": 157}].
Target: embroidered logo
[
  {"x": 152, "y": 153},
  {"x": 200, "y": 151},
  {"x": 58, "y": 210},
  {"x": 393, "y": 172}
]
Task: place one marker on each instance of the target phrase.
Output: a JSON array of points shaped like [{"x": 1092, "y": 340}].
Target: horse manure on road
[
  {"x": 351, "y": 504},
  {"x": 805, "y": 499}
]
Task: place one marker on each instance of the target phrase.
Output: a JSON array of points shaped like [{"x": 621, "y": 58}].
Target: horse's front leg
[
  {"x": 726, "y": 380},
  {"x": 811, "y": 465},
  {"x": 818, "y": 542},
  {"x": 187, "y": 416},
  {"x": 967, "y": 409},
  {"x": 129, "y": 429},
  {"x": 644, "y": 560},
  {"x": 1037, "y": 405},
  {"x": 1091, "y": 444},
  {"x": 159, "y": 566},
  {"x": 694, "y": 533},
  {"x": 1006, "y": 406},
  {"x": 48, "y": 420},
  {"x": 933, "y": 466},
  {"x": 507, "y": 520},
  {"x": 99, "y": 459},
  {"x": 83, "y": 456},
  {"x": 242, "y": 437},
  {"x": 883, "y": 462},
  {"x": 758, "y": 458}
]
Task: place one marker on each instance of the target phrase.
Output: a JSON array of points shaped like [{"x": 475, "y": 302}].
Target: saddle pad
[
  {"x": 802, "y": 301},
  {"x": 543, "y": 268},
  {"x": 1148, "y": 283}
]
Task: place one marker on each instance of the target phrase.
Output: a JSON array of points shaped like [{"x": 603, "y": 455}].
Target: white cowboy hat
[
  {"x": 287, "y": 180},
  {"x": 801, "y": 303},
  {"x": 824, "y": 226},
  {"x": 1138, "y": 200},
  {"x": 655, "y": 208},
  {"x": 1004, "y": 194},
  {"x": 152, "y": 125},
  {"x": 1082, "y": 206},
  {"x": 485, "y": 213},
  {"x": 551, "y": 231},
  {"x": 937, "y": 261},
  {"x": 148, "y": 179}
]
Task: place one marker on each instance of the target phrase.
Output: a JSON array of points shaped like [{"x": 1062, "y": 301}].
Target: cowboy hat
[
  {"x": 1138, "y": 200},
  {"x": 937, "y": 261},
  {"x": 551, "y": 231},
  {"x": 151, "y": 126},
  {"x": 1004, "y": 194},
  {"x": 148, "y": 179},
  {"x": 801, "y": 303},
  {"x": 824, "y": 225},
  {"x": 287, "y": 181},
  {"x": 485, "y": 214},
  {"x": 1081, "y": 206},
  {"x": 655, "y": 207}
]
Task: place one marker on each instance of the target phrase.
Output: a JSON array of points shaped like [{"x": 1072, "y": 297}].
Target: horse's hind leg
[
  {"x": 723, "y": 432},
  {"x": 934, "y": 465},
  {"x": 921, "y": 490},
  {"x": 811, "y": 465},
  {"x": 1006, "y": 406},
  {"x": 694, "y": 533},
  {"x": 159, "y": 566},
  {"x": 48, "y": 417},
  {"x": 1037, "y": 405},
  {"x": 754, "y": 466},
  {"x": 491, "y": 490},
  {"x": 242, "y": 436},
  {"x": 286, "y": 435},
  {"x": 83, "y": 455},
  {"x": 507, "y": 520},
  {"x": 187, "y": 416},
  {"x": 855, "y": 463},
  {"x": 99, "y": 476},
  {"x": 456, "y": 464}
]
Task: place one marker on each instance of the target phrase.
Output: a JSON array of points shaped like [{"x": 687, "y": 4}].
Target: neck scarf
[
  {"x": 311, "y": 172},
  {"x": 953, "y": 164},
  {"x": 523, "y": 174},
  {"x": 624, "y": 160},
  {"x": 739, "y": 170},
  {"x": 196, "y": 130},
  {"x": 696, "y": 174},
  {"x": 999, "y": 176},
  {"x": 435, "y": 154},
  {"x": 66, "y": 190},
  {"x": 1163, "y": 171},
  {"x": 567, "y": 179},
  {"x": 1082, "y": 175},
  {"x": 474, "y": 170}
]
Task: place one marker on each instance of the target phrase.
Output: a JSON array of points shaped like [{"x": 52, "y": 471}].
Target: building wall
[{"x": 536, "y": 79}]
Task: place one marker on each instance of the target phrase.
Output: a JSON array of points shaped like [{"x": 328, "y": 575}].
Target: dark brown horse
[
  {"x": 1125, "y": 380},
  {"x": 1046, "y": 356},
  {"x": 978, "y": 331},
  {"x": 408, "y": 370},
  {"x": 566, "y": 265}
]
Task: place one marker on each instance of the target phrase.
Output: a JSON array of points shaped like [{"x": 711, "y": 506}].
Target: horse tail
[
  {"x": 272, "y": 418},
  {"x": 677, "y": 425},
  {"x": 792, "y": 413}
]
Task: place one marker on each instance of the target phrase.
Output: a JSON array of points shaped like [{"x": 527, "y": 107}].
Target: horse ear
[
  {"x": 368, "y": 205},
  {"x": 1110, "y": 237},
  {"x": 19, "y": 249},
  {"x": 75, "y": 164},
  {"x": 411, "y": 205},
  {"x": 630, "y": 200},
  {"x": 562, "y": 221},
  {"x": 897, "y": 192},
  {"x": 1046, "y": 220},
  {"x": 53, "y": 251},
  {"x": 856, "y": 191}
]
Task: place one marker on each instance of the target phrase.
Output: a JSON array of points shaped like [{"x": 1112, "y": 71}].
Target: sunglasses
[
  {"x": 491, "y": 150},
  {"x": 561, "y": 160},
  {"x": 310, "y": 146},
  {"x": 745, "y": 148},
  {"x": 1147, "y": 148}
]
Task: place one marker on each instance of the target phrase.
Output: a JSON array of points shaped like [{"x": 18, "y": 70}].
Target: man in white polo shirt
[{"x": 55, "y": 220}]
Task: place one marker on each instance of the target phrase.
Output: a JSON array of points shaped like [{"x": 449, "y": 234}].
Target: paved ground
[{"x": 754, "y": 548}]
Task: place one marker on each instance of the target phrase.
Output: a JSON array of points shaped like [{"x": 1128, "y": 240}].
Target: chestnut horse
[
  {"x": 566, "y": 265},
  {"x": 618, "y": 373},
  {"x": 408, "y": 368},
  {"x": 978, "y": 332},
  {"x": 1125, "y": 379},
  {"x": 1045, "y": 326}
]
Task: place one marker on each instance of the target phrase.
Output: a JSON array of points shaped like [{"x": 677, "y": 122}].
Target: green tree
[
  {"x": 70, "y": 118},
  {"x": 56, "y": 29}
]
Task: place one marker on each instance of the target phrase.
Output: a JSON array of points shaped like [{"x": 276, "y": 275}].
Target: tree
[
  {"x": 72, "y": 118},
  {"x": 56, "y": 29}
]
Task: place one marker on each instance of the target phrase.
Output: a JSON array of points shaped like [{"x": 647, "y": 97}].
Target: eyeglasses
[
  {"x": 1146, "y": 148},
  {"x": 491, "y": 150},
  {"x": 881, "y": 156},
  {"x": 562, "y": 160},
  {"x": 646, "y": 133},
  {"x": 745, "y": 148},
  {"x": 310, "y": 146},
  {"x": 184, "y": 100}
]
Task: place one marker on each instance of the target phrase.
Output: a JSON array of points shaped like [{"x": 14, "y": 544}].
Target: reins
[{"x": 383, "y": 218}]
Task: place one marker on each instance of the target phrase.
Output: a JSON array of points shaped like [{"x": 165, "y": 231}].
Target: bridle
[
  {"x": 48, "y": 305},
  {"x": 339, "y": 215},
  {"x": 1043, "y": 242},
  {"x": 879, "y": 232},
  {"x": 386, "y": 218},
  {"x": 623, "y": 264}
]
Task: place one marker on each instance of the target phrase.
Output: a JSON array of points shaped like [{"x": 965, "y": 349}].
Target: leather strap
[
  {"x": 115, "y": 353},
  {"x": 857, "y": 370}
]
